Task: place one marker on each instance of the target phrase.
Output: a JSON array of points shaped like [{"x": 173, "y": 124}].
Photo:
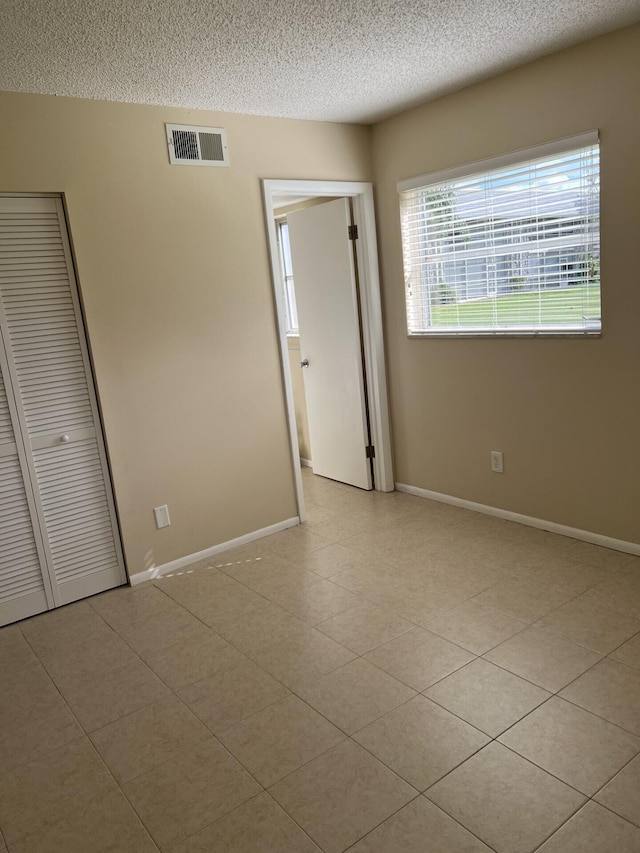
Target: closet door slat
[{"x": 18, "y": 552}]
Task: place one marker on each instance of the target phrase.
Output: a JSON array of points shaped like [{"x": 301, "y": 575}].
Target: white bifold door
[{"x": 59, "y": 539}]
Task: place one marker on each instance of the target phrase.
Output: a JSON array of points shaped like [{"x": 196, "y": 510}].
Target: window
[
  {"x": 508, "y": 246},
  {"x": 287, "y": 278}
]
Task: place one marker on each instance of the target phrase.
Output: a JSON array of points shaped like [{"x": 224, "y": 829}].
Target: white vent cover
[{"x": 197, "y": 146}]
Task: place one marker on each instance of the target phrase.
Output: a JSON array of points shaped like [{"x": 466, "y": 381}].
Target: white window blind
[{"x": 506, "y": 246}]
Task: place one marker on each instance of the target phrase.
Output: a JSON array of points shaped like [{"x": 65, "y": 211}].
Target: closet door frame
[{"x": 49, "y": 573}]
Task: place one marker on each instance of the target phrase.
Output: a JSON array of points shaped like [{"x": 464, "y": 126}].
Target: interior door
[{"x": 327, "y": 300}]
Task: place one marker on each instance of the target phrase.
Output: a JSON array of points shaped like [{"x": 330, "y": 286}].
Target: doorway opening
[{"x": 287, "y": 195}]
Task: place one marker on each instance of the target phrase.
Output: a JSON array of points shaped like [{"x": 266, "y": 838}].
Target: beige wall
[
  {"x": 174, "y": 275},
  {"x": 566, "y": 413}
]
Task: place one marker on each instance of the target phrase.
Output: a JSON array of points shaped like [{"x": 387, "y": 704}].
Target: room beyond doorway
[{"x": 277, "y": 193}]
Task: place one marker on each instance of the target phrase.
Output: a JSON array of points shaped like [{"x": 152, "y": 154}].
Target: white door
[
  {"x": 55, "y": 422},
  {"x": 328, "y": 316}
]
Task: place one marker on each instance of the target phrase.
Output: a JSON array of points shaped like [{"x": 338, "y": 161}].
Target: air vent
[{"x": 197, "y": 146}]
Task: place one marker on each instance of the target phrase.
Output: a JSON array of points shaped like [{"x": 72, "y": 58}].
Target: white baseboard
[
  {"x": 166, "y": 568},
  {"x": 306, "y": 463},
  {"x": 530, "y": 521}
]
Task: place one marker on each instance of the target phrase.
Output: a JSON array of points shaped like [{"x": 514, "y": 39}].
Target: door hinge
[
  {"x": 370, "y": 451},
  {"x": 353, "y": 232}
]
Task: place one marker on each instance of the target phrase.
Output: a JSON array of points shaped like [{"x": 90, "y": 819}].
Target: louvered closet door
[
  {"x": 48, "y": 365},
  {"x": 22, "y": 586}
]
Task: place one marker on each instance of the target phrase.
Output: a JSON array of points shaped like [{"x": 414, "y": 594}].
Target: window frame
[
  {"x": 288, "y": 284},
  {"x": 441, "y": 181}
]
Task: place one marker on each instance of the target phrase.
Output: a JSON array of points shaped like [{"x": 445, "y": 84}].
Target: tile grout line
[
  {"x": 585, "y": 797},
  {"x": 109, "y": 672},
  {"x": 564, "y": 687},
  {"x": 123, "y": 794},
  {"x": 166, "y": 761},
  {"x": 335, "y": 746},
  {"x": 457, "y": 821},
  {"x": 564, "y": 823},
  {"x": 60, "y": 694},
  {"x": 510, "y": 726},
  {"x": 617, "y": 773},
  {"x": 373, "y": 829},
  {"x": 435, "y": 805},
  {"x": 91, "y": 743},
  {"x": 597, "y": 663},
  {"x": 612, "y": 811},
  {"x": 239, "y": 806}
]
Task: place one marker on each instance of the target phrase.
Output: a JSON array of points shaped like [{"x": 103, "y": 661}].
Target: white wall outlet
[
  {"x": 162, "y": 516},
  {"x": 497, "y": 462}
]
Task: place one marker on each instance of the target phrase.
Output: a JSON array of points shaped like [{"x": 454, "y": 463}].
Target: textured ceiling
[{"x": 325, "y": 60}]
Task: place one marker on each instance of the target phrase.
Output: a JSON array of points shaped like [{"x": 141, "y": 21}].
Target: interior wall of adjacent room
[
  {"x": 299, "y": 400},
  {"x": 294, "y": 347},
  {"x": 566, "y": 413},
  {"x": 174, "y": 273}
]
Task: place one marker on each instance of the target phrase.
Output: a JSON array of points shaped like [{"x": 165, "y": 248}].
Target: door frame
[{"x": 361, "y": 194}]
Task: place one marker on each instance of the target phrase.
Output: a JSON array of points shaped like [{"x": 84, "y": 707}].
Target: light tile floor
[{"x": 397, "y": 676}]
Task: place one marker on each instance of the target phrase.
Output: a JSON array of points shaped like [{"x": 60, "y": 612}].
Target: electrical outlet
[
  {"x": 497, "y": 462},
  {"x": 162, "y": 516}
]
